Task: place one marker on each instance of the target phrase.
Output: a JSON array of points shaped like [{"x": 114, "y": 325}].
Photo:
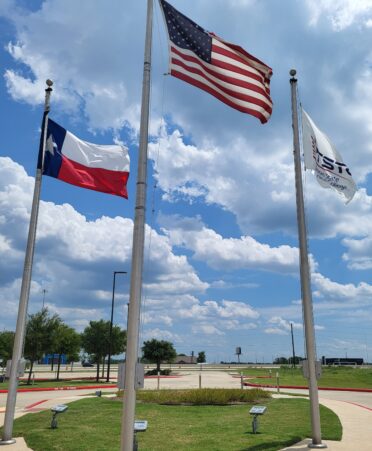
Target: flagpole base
[
  {"x": 8, "y": 442},
  {"x": 317, "y": 445}
]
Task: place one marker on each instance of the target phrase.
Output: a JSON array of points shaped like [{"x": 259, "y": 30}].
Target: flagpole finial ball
[
  {"x": 49, "y": 82},
  {"x": 292, "y": 72}
]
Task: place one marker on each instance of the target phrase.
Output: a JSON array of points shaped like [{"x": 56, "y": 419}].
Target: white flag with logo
[{"x": 322, "y": 157}]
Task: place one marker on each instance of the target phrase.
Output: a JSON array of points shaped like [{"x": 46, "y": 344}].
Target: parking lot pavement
[{"x": 194, "y": 379}]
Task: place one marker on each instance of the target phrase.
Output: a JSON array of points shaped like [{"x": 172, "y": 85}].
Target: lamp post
[
  {"x": 44, "y": 292},
  {"x": 111, "y": 321}
]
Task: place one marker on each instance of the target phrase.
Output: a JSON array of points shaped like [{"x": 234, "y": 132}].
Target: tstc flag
[
  {"x": 103, "y": 168},
  {"x": 224, "y": 70},
  {"x": 322, "y": 157}
]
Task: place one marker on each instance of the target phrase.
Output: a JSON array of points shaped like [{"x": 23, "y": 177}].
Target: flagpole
[
  {"x": 129, "y": 405},
  {"x": 26, "y": 283},
  {"x": 307, "y": 304}
]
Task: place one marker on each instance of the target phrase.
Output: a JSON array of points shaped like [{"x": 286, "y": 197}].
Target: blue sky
[{"x": 221, "y": 266}]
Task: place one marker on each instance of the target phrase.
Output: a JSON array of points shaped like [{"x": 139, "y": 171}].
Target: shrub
[
  {"x": 203, "y": 396},
  {"x": 154, "y": 372}
]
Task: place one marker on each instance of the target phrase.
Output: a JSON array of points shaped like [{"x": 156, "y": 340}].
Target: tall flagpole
[
  {"x": 129, "y": 405},
  {"x": 26, "y": 282},
  {"x": 307, "y": 303}
]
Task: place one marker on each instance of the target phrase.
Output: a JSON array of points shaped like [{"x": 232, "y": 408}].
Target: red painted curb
[
  {"x": 359, "y": 405},
  {"x": 62, "y": 379},
  {"x": 35, "y": 404},
  {"x": 72, "y": 387},
  {"x": 362, "y": 390}
]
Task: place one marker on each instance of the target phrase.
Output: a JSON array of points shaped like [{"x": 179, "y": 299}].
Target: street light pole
[
  {"x": 111, "y": 322},
  {"x": 44, "y": 292}
]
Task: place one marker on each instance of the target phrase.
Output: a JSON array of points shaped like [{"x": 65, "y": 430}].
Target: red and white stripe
[
  {"x": 234, "y": 76},
  {"x": 103, "y": 168}
]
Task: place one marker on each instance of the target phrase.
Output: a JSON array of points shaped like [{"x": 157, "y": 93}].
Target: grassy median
[
  {"x": 338, "y": 377},
  {"x": 94, "y": 424}
]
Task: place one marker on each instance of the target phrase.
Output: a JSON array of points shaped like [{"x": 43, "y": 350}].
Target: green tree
[
  {"x": 296, "y": 360},
  {"x": 201, "y": 357},
  {"x": 158, "y": 351},
  {"x": 40, "y": 332},
  {"x": 66, "y": 341},
  {"x": 281, "y": 361},
  {"x": 95, "y": 341},
  {"x": 6, "y": 346}
]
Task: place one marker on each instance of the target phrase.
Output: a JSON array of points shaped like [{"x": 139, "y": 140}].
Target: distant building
[
  {"x": 342, "y": 361},
  {"x": 49, "y": 358},
  {"x": 185, "y": 359}
]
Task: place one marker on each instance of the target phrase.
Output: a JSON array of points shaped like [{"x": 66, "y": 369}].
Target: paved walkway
[
  {"x": 356, "y": 423},
  {"x": 355, "y": 417}
]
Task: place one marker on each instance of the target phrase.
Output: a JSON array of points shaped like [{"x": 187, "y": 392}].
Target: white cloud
[
  {"x": 223, "y": 310},
  {"x": 333, "y": 291},
  {"x": 74, "y": 255},
  {"x": 153, "y": 317},
  {"x": 238, "y": 174},
  {"x": 228, "y": 253},
  {"x": 65, "y": 247},
  {"x": 260, "y": 195},
  {"x": 69, "y": 57},
  {"x": 284, "y": 324},
  {"x": 230, "y": 178},
  {"x": 341, "y": 13},
  {"x": 160, "y": 334},
  {"x": 180, "y": 311},
  {"x": 359, "y": 253},
  {"x": 275, "y": 331},
  {"x": 206, "y": 329}
]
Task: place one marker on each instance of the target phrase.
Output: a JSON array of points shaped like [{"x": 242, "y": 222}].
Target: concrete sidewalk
[
  {"x": 19, "y": 445},
  {"x": 356, "y": 428}
]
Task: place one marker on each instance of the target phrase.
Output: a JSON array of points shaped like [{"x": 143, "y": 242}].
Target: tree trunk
[
  {"x": 97, "y": 375},
  {"x": 103, "y": 367},
  {"x": 158, "y": 366},
  {"x": 59, "y": 365},
  {"x": 52, "y": 362},
  {"x": 30, "y": 373}
]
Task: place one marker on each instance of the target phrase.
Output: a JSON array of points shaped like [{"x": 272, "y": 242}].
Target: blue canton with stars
[
  {"x": 54, "y": 143},
  {"x": 186, "y": 34}
]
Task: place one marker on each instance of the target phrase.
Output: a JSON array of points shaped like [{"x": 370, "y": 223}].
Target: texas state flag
[{"x": 102, "y": 168}]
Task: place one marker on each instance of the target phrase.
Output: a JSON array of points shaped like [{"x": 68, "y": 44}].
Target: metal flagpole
[
  {"x": 26, "y": 282},
  {"x": 307, "y": 304},
  {"x": 127, "y": 429}
]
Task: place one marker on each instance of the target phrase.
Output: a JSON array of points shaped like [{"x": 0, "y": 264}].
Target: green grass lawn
[
  {"x": 339, "y": 377},
  {"x": 94, "y": 424}
]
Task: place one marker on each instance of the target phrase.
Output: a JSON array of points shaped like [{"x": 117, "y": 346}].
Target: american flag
[{"x": 224, "y": 70}]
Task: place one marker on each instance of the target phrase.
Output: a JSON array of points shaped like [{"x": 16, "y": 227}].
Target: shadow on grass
[{"x": 273, "y": 445}]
